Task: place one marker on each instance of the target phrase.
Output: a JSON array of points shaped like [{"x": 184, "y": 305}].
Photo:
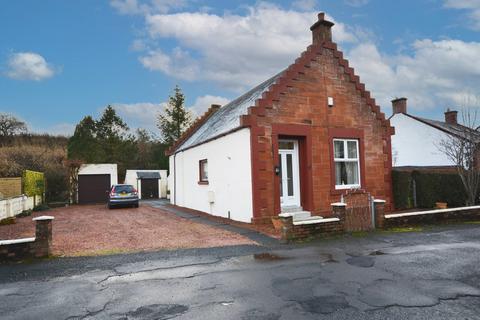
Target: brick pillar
[
  {"x": 339, "y": 210},
  {"x": 379, "y": 207},
  {"x": 43, "y": 236},
  {"x": 287, "y": 228}
]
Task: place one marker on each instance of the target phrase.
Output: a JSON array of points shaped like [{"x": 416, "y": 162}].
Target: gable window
[
  {"x": 203, "y": 169},
  {"x": 347, "y": 163}
]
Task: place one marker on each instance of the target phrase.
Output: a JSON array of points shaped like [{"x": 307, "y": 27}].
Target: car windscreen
[{"x": 123, "y": 189}]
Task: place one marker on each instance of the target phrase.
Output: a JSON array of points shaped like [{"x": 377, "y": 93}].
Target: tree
[
  {"x": 463, "y": 150},
  {"x": 175, "y": 119},
  {"x": 84, "y": 145},
  {"x": 10, "y": 126}
]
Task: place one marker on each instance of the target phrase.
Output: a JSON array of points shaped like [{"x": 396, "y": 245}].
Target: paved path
[
  {"x": 251, "y": 234},
  {"x": 434, "y": 274}
]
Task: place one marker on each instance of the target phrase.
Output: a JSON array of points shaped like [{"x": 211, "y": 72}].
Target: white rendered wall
[
  {"x": 416, "y": 143},
  {"x": 131, "y": 178},
  {"x": 101, "y": 168},
  {"x": 229, "y": 176}
]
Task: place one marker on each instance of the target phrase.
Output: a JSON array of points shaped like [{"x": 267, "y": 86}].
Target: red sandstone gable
[{"x": 314, "y": 134}]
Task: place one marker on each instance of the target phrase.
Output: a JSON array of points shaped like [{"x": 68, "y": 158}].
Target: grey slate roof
[
  {"x": 148, "y": 175},
  {"x": 453, "y": 129},
  {"x": 227, "y": 117}
]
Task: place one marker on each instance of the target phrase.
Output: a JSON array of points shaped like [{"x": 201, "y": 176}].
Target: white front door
[{"x": 289, "y": 173}]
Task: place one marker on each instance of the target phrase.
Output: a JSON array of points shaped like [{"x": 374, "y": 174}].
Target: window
[
  {"x": 203, "y": 166},
  {"x": 347, "y": 163}
]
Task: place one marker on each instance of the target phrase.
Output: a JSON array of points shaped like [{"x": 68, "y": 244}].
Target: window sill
[
  {"x": 203, "y": 182},
  {"x": 338, "y": 191}
]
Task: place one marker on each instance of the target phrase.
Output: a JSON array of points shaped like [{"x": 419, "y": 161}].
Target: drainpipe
[{"x": 175, "y": 178}]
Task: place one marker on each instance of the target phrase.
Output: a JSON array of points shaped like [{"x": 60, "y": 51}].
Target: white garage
[
  {"x": 94, "y": 182},
  {"x": 151, "y": 184}
]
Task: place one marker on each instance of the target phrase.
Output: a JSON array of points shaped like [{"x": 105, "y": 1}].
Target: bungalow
[
  {"x": 295, "y": 143},
  {"x": 417, "y": 140}
]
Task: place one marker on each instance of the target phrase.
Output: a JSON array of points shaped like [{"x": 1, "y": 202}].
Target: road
[{"x": 434, "y": 274}]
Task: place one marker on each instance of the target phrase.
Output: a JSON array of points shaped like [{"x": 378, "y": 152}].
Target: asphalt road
[{"x": 433, "y": 274}]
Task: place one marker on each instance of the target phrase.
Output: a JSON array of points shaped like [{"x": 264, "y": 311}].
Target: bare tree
[
  {"x": 9, "y": 125},
  {"x": 463, "y": 150}
]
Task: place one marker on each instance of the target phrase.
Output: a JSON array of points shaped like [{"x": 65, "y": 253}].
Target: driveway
[
  {"x": 94, "y": 229},
  {"x": 432, "y": 274}
]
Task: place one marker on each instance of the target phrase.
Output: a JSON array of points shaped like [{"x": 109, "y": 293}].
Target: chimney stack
[
  {"x": 399, "y": 105},
  {"x": 451, "y": 116},
  {"x": 321, "y": 30}
]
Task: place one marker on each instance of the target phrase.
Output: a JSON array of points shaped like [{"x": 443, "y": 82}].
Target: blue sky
[{"x": 61, "y": 60}]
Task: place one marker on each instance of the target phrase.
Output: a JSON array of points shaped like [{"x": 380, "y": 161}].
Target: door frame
[
  {"x": 302, "y": 133},
  {"x": 295, "y": 200}
]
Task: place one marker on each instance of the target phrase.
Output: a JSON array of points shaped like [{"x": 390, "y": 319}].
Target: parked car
[{"x": 122, "y": 194}]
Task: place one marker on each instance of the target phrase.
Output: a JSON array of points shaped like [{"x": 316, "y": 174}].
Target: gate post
[{"x": 379, "y": 208}]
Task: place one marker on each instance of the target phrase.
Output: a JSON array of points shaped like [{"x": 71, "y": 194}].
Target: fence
[
  {"x": 12, "y": 207},
  {"x": 10, "y": 187}
]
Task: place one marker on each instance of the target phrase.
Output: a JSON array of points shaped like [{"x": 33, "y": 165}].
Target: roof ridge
[{"x": 193, "y": 127}]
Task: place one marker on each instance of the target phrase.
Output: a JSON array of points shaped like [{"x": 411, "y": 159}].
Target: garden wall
[{"x": 29, "y": 248}]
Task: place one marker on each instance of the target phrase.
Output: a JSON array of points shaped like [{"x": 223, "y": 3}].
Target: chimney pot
[
  {"x": 399, "y": 105},
  {"x": 451, "y": 116},
  {"x": 322, "y": 29}
]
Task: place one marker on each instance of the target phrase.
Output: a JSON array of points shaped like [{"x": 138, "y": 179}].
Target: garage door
[
  {"x": 93, "y": 188},
  {"x": 149, "y": 188}
]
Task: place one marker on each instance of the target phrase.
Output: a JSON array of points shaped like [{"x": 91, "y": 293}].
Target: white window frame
[{"x": 347, "y": 159}]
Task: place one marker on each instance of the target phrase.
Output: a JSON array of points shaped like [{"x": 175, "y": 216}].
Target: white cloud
[
  {"x": 236, "y": 51},
  {"x": 438, "y": 74},
  {"x": 59, "y": 129},
  {"x": 357, "y": 3},
  {"x": 305, "y": 5},
  {"x": 473, "y": 6},
  {"x": 202, "y": 103},
  {"x": 145, "y": 114},
  {"x": 134, "y": 7},
  {"x": 178, "y": 64},
  {"x": 28, "y": 66},
  {"x": 140, "y": 115}
]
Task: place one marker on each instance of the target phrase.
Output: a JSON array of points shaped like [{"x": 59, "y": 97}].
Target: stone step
[
  {"x": 315, "y": 221},
  {"x": 292, "y": 209},
  {"x": 298, "y": 215}
]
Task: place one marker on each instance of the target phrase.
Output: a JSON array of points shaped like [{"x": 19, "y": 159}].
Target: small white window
[
  {"x": 203, "y": 171},
  {"x": 347, "y": 163}
]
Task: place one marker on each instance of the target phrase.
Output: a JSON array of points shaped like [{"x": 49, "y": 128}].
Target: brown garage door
[
  {"x": 149, "y": 188},
  {"x": 93, "y": 188}
]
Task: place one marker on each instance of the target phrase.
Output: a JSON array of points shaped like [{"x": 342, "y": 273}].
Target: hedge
[
  {"x": 428, "y": 188},
  {"x": 33, "y": 183}
]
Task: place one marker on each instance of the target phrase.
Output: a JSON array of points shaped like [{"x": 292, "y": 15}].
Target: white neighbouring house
[
  {"x": 151, "y": 184},
  {"x": 417, "y": 140}
]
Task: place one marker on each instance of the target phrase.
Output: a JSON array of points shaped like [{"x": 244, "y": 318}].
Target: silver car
[{"x": 122, "y": 194}]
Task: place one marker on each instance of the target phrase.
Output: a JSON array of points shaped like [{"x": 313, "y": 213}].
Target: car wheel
[
  {"x": 109, "y": 206},
  {"x": 136, "y": 205}
]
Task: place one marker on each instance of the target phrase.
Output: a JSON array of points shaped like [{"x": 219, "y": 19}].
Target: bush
[
  {"x": 428, "y": 188},
  {"x": 33, "y": 183},
  {"x": 436, "y": 187},
  {"x": 402, "y": 189},
  {"x": 41, "y": 207}
]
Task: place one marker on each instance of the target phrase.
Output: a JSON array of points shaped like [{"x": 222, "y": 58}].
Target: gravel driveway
[{"x": 93, "y": 229}]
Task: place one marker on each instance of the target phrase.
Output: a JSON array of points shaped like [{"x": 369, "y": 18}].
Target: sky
[{"x": 62, "y": 60}]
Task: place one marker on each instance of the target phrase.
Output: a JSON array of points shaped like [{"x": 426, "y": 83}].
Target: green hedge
[
  {"x": 33, "y": 183},
  {"x": 429, "y": 187},
  {"x": 402, "y": 189}
]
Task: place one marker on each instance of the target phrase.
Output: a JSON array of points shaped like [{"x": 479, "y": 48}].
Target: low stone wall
[
  {"x": 325, "y": 227},
  {"x": 432, "y": 217},
  {"x": 29, "y": 248}
]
